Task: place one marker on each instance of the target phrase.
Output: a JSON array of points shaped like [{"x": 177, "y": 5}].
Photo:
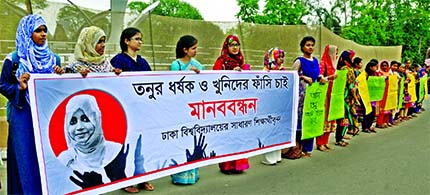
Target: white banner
[{"x": 105, "y": 132}]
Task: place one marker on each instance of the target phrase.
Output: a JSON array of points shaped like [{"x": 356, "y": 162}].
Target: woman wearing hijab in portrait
[
  {"x": 88, "y": 152},
  {"x": 231, "y": 59},
  {"x": 273, "y": 60},
  {"x": 90, "y": 52},
  {"x": 32, "y": 56}
]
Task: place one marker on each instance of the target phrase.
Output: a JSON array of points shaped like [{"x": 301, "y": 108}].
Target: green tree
[
  {"x": 391, "y": 22},
  {"x": 173, "y": 8},
  {"x": 328, "y": 17},
  {"x": 275, "y": 12},
  {"x": 248, "y": 11}
]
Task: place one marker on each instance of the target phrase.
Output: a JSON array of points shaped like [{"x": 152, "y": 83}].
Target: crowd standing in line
[{"x": 33, "y": 56}]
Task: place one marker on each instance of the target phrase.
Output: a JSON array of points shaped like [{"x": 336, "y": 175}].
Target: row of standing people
[
  {"x": 33, "y": 56},
  {"x": 311, "y": 71}
]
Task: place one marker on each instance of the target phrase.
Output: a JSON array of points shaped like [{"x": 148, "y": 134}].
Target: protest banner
[
  {"x": 391, "y": 102},
  {"x": 105, "y": 132},
  {"x": 364, "y": 92},
  {"x": 423, "y": 88},
  {"x": 337, "y": 97},
  {"x": 412, "y": 88},
  {"x": 401, "y": 94},
  {"x": 376, "y": 86},
  {"x": 313, "y": 110}
]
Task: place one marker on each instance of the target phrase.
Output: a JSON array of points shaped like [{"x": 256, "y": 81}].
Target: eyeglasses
[
  {"x": 136, "y": 39},
  {"x": 234, "y": 45}
]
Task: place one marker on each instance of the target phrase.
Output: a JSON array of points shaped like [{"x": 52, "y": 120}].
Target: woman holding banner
[
  {"x": 186, "y": 50},
  {"x": 383, "y": 119},
  {"x": 309, "y": 72},
  {"x": 32, "y": 56},
  {"x": 348, "y": 122},
  {"x": 328, "y": 69},
  {"x": 90, "y": 53},
  {"x": 368, "y": 119},
  {"x": 273, "y": 60},
  {"x": 231, "y": 58},
  {"x": 128, "y": 60}
]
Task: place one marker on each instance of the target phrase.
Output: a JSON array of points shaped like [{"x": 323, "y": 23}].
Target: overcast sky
[{"x": 211, "y": 10}]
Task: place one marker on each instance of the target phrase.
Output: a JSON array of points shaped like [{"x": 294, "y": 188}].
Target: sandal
[
  {"x": 307, "y": 155},
  {"x": 322, "y": 148},
  {"x": 146, "y": 186},
  {"x": 131, "y": 189},
  {"x": 341, "y": 144},
  {"x": 356, "y": 131},
  {"x": 328, "y": 147},
  {"x": 367, "y": 131}
]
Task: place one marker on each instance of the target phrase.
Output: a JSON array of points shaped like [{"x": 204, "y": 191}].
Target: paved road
[{"x": 392, "y": 161}]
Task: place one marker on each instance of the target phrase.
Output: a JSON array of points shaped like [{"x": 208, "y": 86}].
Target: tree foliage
[
  {"x": 367, "y": 22},
  {"x": 173, "y": 8},
  {"x": 391, "y": 22},
  {"x": 275, "y": 12}
]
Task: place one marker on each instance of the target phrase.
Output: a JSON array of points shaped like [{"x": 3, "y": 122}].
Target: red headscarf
[
  {"x": 229, "y": 61},
  {"x": 384, "y": 71},
  {"x": 345, "y": 58},
  {"x": 328, "y": 60}
]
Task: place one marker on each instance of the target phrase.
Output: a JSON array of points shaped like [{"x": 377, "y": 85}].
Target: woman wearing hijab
[
  {"x": 383, "y": 119},
  {"x": 345, "y": 63},
  {"x": 231, "y": 58},
  {"x": 273, "y": 60},
  {"x": 327, "y": 69},
  {"x": 32, "y": 56},
  {"x": 90, "y": 52}
]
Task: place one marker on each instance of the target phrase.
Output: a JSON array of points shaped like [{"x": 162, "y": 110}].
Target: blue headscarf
[{"x": 33, "y": 58}]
